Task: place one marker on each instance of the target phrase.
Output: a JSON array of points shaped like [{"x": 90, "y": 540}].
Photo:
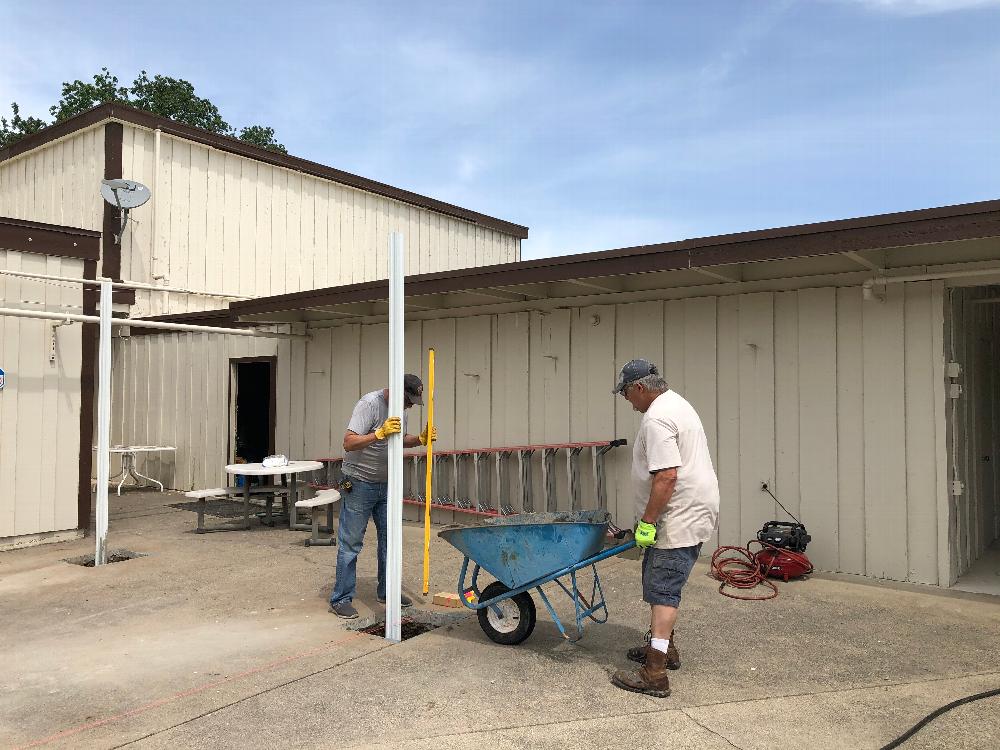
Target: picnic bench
[
  {"x": 323, "y": 499},
  {"x": 269, "y": 492}
]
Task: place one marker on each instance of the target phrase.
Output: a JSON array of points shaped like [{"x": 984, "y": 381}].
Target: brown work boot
[
  {"x": 638, "y": 653},
  {"x": 650, "y": 679}
]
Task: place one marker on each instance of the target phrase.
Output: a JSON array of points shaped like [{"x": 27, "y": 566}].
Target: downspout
[{"x": 153, "y": 232}]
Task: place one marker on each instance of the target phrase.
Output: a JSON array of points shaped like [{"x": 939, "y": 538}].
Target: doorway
[
  {"x": 252, "y": 395},
  {"x": 975, "y": 427}
]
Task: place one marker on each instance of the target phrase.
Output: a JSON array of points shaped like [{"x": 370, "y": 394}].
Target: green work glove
[
  {"x": 645, "y": 534},
  {"x": 433, "y": 436},
  {"x": 390, "y": 427}
]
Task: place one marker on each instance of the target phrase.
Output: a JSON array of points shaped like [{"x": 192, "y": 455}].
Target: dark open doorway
[{"x": 251, "y": 408}]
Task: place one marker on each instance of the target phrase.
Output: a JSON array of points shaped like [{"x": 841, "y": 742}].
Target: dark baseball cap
[
  {"x": 413, "y": 389},
  {"x": 634, "y": 370}
]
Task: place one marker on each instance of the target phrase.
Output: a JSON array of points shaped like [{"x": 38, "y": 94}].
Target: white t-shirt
[{"x": 671, "y": 436}]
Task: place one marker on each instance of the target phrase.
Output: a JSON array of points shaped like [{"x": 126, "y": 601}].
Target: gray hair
[{"x": 652, "y": 383}]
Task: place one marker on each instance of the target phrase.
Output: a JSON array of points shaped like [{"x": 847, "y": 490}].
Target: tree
[
  {"x": 173, "y": 98},
  {"x": 78, "y": 96},
  {"x": 13, "y": 131},
  {"x": 261, "y": 136}
]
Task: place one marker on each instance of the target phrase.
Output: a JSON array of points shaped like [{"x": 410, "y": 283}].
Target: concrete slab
[
  {"x": 984, "y": 575},
  {"x": 223, "y": 640}
]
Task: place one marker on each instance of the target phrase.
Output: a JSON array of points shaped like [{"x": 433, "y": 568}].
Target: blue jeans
[{"x": 365, "y": 500}]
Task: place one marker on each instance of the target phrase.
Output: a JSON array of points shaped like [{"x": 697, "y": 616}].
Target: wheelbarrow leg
[{"x": 552, "y": 612}]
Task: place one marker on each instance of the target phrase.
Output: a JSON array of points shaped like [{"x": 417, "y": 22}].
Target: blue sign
[{"x": 1, "y": 380}]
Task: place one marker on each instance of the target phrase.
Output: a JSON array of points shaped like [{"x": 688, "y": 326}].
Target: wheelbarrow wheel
[{"x": 516, "y": 619}]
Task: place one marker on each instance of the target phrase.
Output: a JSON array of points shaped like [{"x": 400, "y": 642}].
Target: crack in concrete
[{"x": 710, "y": 730}]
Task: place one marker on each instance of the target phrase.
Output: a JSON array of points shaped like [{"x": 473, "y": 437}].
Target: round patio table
[
  {"x": 291, "y": 470},
  {"x": 128, "y": 453}
]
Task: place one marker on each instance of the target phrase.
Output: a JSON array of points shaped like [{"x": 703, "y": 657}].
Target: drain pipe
[{"x": 868, "y": 287}]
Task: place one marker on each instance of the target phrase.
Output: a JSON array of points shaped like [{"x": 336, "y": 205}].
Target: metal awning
[{"x": 860, "y": 249}]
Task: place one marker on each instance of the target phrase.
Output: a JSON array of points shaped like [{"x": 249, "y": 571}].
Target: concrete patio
[{"x": 224, "y": 640}]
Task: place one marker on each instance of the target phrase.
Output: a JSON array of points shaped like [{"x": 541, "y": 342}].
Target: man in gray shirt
[{"x": 366, "y": 469}]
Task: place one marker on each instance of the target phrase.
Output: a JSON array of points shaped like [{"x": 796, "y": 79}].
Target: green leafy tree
[
  {"x": 18, "y": 127},
  {"x": 79, "y": 96},
  {"x": 262, "y": 136},
  {"x": 173, "y": 98}
]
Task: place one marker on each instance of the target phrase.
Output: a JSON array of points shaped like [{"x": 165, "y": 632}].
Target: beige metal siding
[
  {"x": 58, "y": 183},
  {"x": 173, "y": 389},
  {"x": 827, "y": 398},
  {"x": 222, "y": 222},
  {"x": 40, "y": 404}
]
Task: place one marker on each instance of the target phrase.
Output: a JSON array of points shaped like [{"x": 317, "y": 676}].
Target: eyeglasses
[{"x": 625, "y": 390}]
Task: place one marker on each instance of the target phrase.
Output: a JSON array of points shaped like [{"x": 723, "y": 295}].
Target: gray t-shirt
[{"x": 369, "y": 464}]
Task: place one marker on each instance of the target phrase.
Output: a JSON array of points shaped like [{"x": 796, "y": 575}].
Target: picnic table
[{"x": 287, "y": 472}]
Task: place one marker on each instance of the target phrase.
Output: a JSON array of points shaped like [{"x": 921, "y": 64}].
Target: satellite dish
[{"x": 124, "y": 195}]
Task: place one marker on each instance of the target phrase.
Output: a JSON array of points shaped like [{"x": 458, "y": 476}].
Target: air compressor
[{"x": 783, "y": 547}]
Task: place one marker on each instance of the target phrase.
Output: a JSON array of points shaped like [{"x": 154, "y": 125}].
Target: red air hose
[{"x": 742, "y": 570}]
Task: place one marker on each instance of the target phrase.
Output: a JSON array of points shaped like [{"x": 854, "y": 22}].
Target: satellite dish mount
[{"x": 125, "y": 195}]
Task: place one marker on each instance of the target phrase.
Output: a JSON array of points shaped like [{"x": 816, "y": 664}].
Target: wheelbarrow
[{"x": 525, "y": 552}]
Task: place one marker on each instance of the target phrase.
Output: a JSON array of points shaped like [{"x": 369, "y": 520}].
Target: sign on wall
[{"x": 1, "y": 380}]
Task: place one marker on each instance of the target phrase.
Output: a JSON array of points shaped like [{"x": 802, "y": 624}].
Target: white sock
[{"x": 660, "y": 644}]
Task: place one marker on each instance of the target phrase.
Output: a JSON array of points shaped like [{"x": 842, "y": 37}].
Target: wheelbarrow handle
[{"x": 616, "y": 532}]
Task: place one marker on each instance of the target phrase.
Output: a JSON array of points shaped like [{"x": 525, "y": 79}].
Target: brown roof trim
[
  {"x": 88, "y": 386},
  {"x": 49, "y": 239},
  {"x": 111, "y": 258},
  {"x": 240, "y": 148},
  {"x": 966, "y": 221},
  {"x": 54, "y": 132}
]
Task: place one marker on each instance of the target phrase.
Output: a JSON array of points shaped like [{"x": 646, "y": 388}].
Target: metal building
[
  {"x": 849, "y": 364},
  {"x": 227, "y": 221},
  {"x": 46, "y": 381}
]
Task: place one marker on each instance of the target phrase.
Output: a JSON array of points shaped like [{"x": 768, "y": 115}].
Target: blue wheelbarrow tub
[{"x": 519, "y": 549}]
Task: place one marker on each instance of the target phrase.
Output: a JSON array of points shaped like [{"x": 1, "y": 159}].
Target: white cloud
[{"x": 925, "y": 7}]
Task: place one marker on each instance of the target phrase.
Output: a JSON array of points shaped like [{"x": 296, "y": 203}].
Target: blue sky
[{"x": 596, "y": 124}]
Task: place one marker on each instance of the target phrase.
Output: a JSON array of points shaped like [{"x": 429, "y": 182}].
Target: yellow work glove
[
  {"x": 423, "y": 435},
  {"x": 389, "y": 427},
  {"x": 645, "y": 534}
]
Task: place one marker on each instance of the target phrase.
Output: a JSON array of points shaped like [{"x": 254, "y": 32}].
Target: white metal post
[
  {"x": 103, "y": 423},
  {"x": 394, "y": 554}
]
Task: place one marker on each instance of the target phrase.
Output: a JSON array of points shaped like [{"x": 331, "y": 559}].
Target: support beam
[
  {"x": 15, "y": 312},
  {"x": 862, "y": 261},
  {"x": 592, "y": 284},
  {"x": 500, "y": 294},
  {"x": 729, "y": 278},
  {"x": 426, "y": 302},
  {"x": 103, "y": 425},
  {"x": 331, "y": 311},
  {"x": 394, "y": 551}
]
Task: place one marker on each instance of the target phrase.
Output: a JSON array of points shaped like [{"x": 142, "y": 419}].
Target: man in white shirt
[{"x": 677, "y": 507}]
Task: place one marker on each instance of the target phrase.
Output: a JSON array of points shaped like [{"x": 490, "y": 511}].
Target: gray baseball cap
[
  {"x": 413, "y": 389},
  {"x": 634, "y": 370}
]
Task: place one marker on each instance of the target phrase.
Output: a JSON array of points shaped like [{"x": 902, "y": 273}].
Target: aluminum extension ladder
[{"x": 482, "y": 481}]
